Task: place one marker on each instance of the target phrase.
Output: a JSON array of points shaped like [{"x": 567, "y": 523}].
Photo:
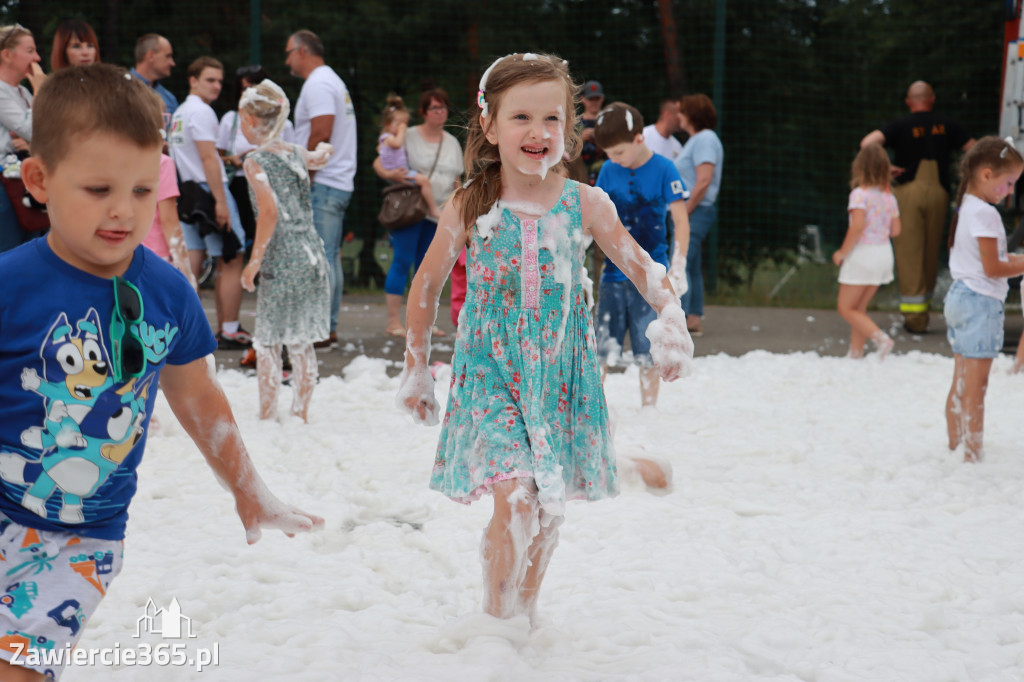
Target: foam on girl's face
[{"x": 543, "y": 104}]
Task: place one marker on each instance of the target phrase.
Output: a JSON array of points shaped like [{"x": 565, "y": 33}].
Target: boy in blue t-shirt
[
  {"x": 644, "y": 187},
  {"x": 90, "y": 322}
]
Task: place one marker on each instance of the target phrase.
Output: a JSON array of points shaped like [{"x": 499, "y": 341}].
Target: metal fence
[{"x": 797, "y": 83}]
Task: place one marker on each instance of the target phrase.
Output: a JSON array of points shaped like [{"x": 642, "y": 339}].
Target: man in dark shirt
[{"x": 923, "y": 143}]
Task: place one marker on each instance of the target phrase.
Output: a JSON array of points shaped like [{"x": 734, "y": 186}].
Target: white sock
[{"x": 229, "y": 328}]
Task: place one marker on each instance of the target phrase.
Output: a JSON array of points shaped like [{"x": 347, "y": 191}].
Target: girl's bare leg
[
  {"x": 852, "y": 305},
  {"x": 506, "y": 544},
  {"x": 1018, "y": 360},
  {"x": 650, "y": 382},
  {"x": 954, "y": 404},
  {"x": 539, "y": 557},
  {"x": 304, "y": 375},
  {"x": 975, "y": 382},
  {"x": 195, "y": 260},
  {"x": 394, "y": 307},
  {"x": 268, "y": 376}
]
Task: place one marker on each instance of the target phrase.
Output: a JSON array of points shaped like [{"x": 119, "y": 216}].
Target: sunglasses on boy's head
[{"x": 129, "y": 354}]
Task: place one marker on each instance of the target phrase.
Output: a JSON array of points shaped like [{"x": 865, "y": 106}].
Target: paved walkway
[{"x": 729, "y": 330}]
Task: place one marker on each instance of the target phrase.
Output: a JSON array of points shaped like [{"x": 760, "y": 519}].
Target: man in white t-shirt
[
  {"x": 324, "y": 113},
  {"x": 659, "y": 136},
  {"x": 193, "y": 146}
]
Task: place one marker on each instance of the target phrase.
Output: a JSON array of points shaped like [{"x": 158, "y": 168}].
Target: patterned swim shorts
[{"x": 51, "y": 584}]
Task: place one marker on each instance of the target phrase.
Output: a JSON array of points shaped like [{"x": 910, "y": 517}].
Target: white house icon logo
[{"x": 169, "y": 623}]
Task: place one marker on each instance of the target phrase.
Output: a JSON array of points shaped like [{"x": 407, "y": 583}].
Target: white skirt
[{"x": 868, "y": 265}]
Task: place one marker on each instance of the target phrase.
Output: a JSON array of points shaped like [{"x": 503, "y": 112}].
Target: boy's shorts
[
  {"x": 621, "y": 308},
  {"x": 213, "y": 243},
  {"x": 51, "y": 584},
  {"x": 974, "y": 322}
]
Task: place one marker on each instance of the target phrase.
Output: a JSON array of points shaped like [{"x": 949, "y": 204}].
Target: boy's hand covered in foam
[
  {"x": 264, "y": 510},
  {"x": 416, "y": 396},
  {"x": 671, "y": 345}
]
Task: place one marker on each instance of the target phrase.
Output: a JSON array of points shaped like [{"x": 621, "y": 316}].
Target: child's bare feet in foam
[
  {"x": 655, "y": 474},
  {"x": 883, "y": 343}
]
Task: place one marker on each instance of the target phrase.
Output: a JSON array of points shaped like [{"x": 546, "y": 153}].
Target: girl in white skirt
[{"x": 865, "y": 258}]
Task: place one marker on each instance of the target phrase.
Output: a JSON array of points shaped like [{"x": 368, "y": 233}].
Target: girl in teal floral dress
[
  {"x": 293, "y": 306},
  {"x": 526, "y": 417}
]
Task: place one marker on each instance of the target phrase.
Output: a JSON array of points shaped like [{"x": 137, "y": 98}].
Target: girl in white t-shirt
[
  {"x": 865, "y": 258},
  {"x": 980, "y": 266}
]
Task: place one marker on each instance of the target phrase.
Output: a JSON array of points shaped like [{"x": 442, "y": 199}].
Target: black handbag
[{"x": 403, "y": 203}]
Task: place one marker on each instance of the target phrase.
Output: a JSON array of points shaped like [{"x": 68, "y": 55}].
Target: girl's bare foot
[
  {"x": 656, "y": 475},
  {"x": 883, "y": 343}
]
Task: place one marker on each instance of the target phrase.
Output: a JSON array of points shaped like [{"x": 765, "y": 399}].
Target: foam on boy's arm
[{"x": 197, "y": 400}]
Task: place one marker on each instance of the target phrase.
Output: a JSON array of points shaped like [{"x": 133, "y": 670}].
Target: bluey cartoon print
[{"x": 90, "y": 425}]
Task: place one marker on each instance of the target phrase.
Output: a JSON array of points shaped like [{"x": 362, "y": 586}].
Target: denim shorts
[
  {"x": 213, "y": 243},
  {"x": 974, "y": 322},
  {"x": 621, "y": 308}
]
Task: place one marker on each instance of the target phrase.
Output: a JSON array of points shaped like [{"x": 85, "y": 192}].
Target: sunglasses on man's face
[{"x": 129, "y": 354}]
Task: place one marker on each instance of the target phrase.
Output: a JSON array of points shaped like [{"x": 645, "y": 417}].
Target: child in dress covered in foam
[
  {"x": 980, "y": 266},
  {"x": 293, "y": 306},
  {"x": 391, "y": 149},
  {"x": 526, "y": 418},
  {"x": 90, "y": 322},
  {"x": 865, "y": 257}
]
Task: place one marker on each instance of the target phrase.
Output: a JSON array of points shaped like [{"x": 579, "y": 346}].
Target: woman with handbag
[
  {"x": 18, "y": 60},
  {"x": 436, "y": 154}
]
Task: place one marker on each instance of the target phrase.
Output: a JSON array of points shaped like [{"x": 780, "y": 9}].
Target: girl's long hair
[
  {"x": 483, "y": 165},
  {"x": 871, "y": 168},
  {"x": 988, "y": 152}
]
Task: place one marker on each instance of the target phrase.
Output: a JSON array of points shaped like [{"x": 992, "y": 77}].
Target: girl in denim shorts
[{"x": 980, "y": 266}]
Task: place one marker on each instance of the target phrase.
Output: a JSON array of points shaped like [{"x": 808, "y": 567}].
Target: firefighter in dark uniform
[{"x": 922, "y": 144}]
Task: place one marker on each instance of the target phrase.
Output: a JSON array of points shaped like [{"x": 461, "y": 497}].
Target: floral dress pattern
[
  {"x": 526, "y": 399},
  {"x": 293, "y": 302}
]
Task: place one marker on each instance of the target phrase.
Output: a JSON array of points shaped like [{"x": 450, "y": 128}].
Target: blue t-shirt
[
  {"x": 641, "y": 196},
  {"x": 70, "y": 438},
  {"x": 170, "y": 101},
  {"x": 702, "y": 147}
]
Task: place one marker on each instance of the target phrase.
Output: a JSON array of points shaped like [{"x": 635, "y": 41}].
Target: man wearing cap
[{"x": 592, "y": 155}]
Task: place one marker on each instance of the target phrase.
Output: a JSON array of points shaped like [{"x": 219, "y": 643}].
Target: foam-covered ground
[{"x": 818, "y": 530}]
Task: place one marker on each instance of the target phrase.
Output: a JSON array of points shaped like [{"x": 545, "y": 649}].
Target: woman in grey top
[
  {"x": 18, "y": 61},
  {"x": 423, "y": 144}
]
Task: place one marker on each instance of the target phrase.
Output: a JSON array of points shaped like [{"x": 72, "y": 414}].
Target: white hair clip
[{"x": 1009, "y": 143}]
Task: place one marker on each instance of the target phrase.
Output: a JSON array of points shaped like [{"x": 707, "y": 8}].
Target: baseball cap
[{"x": 592, "y": 89}]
